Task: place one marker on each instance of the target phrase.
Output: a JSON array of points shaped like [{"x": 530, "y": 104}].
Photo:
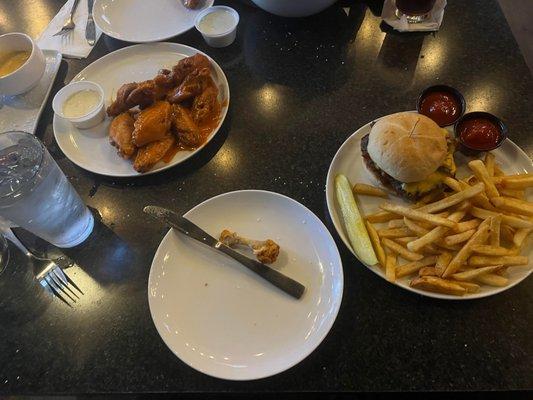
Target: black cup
[
  {"x": 469, "y": 150},
  {"x": 443, "y": 88}
]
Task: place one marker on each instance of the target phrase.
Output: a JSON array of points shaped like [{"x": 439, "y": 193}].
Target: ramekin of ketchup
[
  {"x": 479, "y": 131},
  {"x": 443, "y": 104}
]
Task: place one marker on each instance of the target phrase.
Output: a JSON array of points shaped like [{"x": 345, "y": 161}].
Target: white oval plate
[
  {"x": 348, "y": 161},
  {"x": 142, "y": 21},
  {"x": 90, "y": 148},
  {"x": 225, "y": 321}
]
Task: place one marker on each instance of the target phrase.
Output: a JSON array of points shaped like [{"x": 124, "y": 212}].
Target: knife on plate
[
  {"x": 90, "y": 32},
  {"x": 183, "y": 225}
]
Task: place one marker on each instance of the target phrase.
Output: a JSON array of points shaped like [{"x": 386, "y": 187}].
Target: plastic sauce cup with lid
[
  {"x": 218, "y": 25},
  {"x": 81, "y": 103}
]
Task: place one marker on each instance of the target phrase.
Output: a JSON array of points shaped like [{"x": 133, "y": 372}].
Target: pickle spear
[{"x": 354, "y": 224}]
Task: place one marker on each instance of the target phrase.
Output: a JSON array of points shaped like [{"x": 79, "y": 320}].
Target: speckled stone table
[{"x": 298, "y": 89}]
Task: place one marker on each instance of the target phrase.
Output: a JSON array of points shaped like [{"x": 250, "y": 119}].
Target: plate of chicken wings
[{"x": 164, "y": 102}]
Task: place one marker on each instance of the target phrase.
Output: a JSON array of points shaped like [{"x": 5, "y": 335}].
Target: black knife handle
[{"x": 288, "y": 285}]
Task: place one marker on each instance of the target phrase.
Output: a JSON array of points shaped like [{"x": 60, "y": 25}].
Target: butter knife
[
  {"x": 183, "y": 225},
  {"x": 90, "y": 32}
]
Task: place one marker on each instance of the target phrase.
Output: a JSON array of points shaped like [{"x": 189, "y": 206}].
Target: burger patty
[{"x": 386, "y": 180}]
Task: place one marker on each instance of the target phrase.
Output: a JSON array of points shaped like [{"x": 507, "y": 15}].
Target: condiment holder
[
  {"x": 218, "y": 25},
  {"x": 94, "y": 114}
]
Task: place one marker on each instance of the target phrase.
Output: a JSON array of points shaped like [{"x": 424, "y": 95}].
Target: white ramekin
[
  {"x": 30, "y": 73},
  {"x": 93, "y": 117},
  {"x": 221, "y": 39}
]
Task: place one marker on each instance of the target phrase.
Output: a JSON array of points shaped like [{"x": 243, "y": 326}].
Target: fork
[
  {"x": 69, "y": 24},
  {"x": 57, "y": 280}
]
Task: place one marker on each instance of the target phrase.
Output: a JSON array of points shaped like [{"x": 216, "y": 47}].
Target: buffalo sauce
[
  {"x": 442, "y": 107},
  {"x": 479, "y": 133}
]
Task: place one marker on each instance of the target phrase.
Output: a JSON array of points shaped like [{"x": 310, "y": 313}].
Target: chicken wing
[
  {"x": 152, "y": 153},
  {"x": 192, "y": 4},
  {"x": 193, "y": 85},
  {"x": 205, "y": 107},
  {"x": 187, "y": 65},
  {"x": 188, "y": 132},
  {"x": 152, "y": 124},
  {"x": 120, "y": 135}
]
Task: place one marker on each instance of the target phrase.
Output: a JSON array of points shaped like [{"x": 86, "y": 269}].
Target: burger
[{"x": 408, "y": 154}]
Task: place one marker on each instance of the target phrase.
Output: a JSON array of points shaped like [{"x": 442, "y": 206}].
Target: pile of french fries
[{"x": 453, "y": 241}]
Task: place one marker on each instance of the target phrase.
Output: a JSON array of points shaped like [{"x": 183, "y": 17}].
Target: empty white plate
[
  {"x": 90, "y": 148},
  {"x": 141, "y": 21},
  {"x": 227, "y": 322}
]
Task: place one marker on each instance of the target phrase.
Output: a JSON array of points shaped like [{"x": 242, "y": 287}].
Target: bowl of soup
[{"x": 22, "y": 64}]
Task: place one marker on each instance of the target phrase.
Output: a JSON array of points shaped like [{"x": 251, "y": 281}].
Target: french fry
[
  {"x": 519, "y": 236},
  {"x": 376, "y": 243},
  {"x": 460, "y": 258},
  {"x": 493, "y": 280},
  {"x": 521, "y": 183},
  {"x": 459, "y": 237},
  {"x": 497, "y": 170},
  {"x": 516, "y": 193},
  {"x": 404, "y": 240},
  {"x": 442, "y": 262},
  {"x": 470, "y": 287},
  {"x": 369, "y": 190},
  {"x": 427, "y": 271},
  {"x": 495, "y": 230},
  {"x": 390, "y": 269},
  {"x": 394, "y": 232},
  {"x": 430, "y": 249},
  {"x": 382, "y": 216},
  {"x": 480, "y": 261},
  {"x": 414, "y": 227},
  {"x": 474, "y": 273},
  {"x": 506, "y": 233},
  {"x": 435, "y": 234},
  {"x": 512, "y": 221},
  {"x": 489, "y": 163},
  {"x": 412, "y": 267},
  {"x": 431, "y": 196},
  {"x": 353, "y": 223},
  {"x": 513, "y": 205},
  {"x": 401, "y": 251},
  {"x": 452, "y": 184},
  {"x": 491, "y": 250},
  {"x": 439, "y": 285},
  {"x": 417, "y": 215},
  {"x": 467, "y": 225},
  {"x": 478, "y": 168},
  {"x": 453, "y": 199},
  {"x": 480, "y": 199},
  {"x": 395, "y": 223}
]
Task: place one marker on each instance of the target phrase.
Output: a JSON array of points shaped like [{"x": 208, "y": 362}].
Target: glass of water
[{"x": 36, "y": 195}]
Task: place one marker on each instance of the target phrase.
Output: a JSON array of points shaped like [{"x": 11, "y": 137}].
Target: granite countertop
[{"x": 299, "y": 88}]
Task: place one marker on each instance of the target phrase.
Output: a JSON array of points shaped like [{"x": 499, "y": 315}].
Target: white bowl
[
  {"x": 93, "y": 117},
  {"x": 30, "y": 73},
  {"x": 223, "y": 36},
  {"x": 293, "y": 8}
]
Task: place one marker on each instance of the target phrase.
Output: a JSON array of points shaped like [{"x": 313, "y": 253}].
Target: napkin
[
  {"x": 75, "y": 45},
  {"x": 432, "y": 23}
]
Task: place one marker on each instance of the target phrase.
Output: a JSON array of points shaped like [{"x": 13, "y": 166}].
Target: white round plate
[
  {"x": 224, "y": 320},
  {"x": 90, "y": 148},
  {"x": 348, "y": 161},
  {"x": 142, "y": 21}
]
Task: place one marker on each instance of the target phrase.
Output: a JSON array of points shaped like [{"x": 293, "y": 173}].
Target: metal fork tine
[
  {"x": 56, "y": 293},
  {"x": 59, "y": 286},
  {"x": 53, "y": 272},
  {"x": 72, "y": 282}
]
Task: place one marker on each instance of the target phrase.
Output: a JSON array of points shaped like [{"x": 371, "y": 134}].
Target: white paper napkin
[
  {"x": 75, "y": 45},
  {"x": 432, "y": 23}
]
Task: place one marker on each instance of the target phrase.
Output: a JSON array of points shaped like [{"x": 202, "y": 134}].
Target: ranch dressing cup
[
  {"x": 81, "y": 103},
  {"x": 218, "y": 25}
]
